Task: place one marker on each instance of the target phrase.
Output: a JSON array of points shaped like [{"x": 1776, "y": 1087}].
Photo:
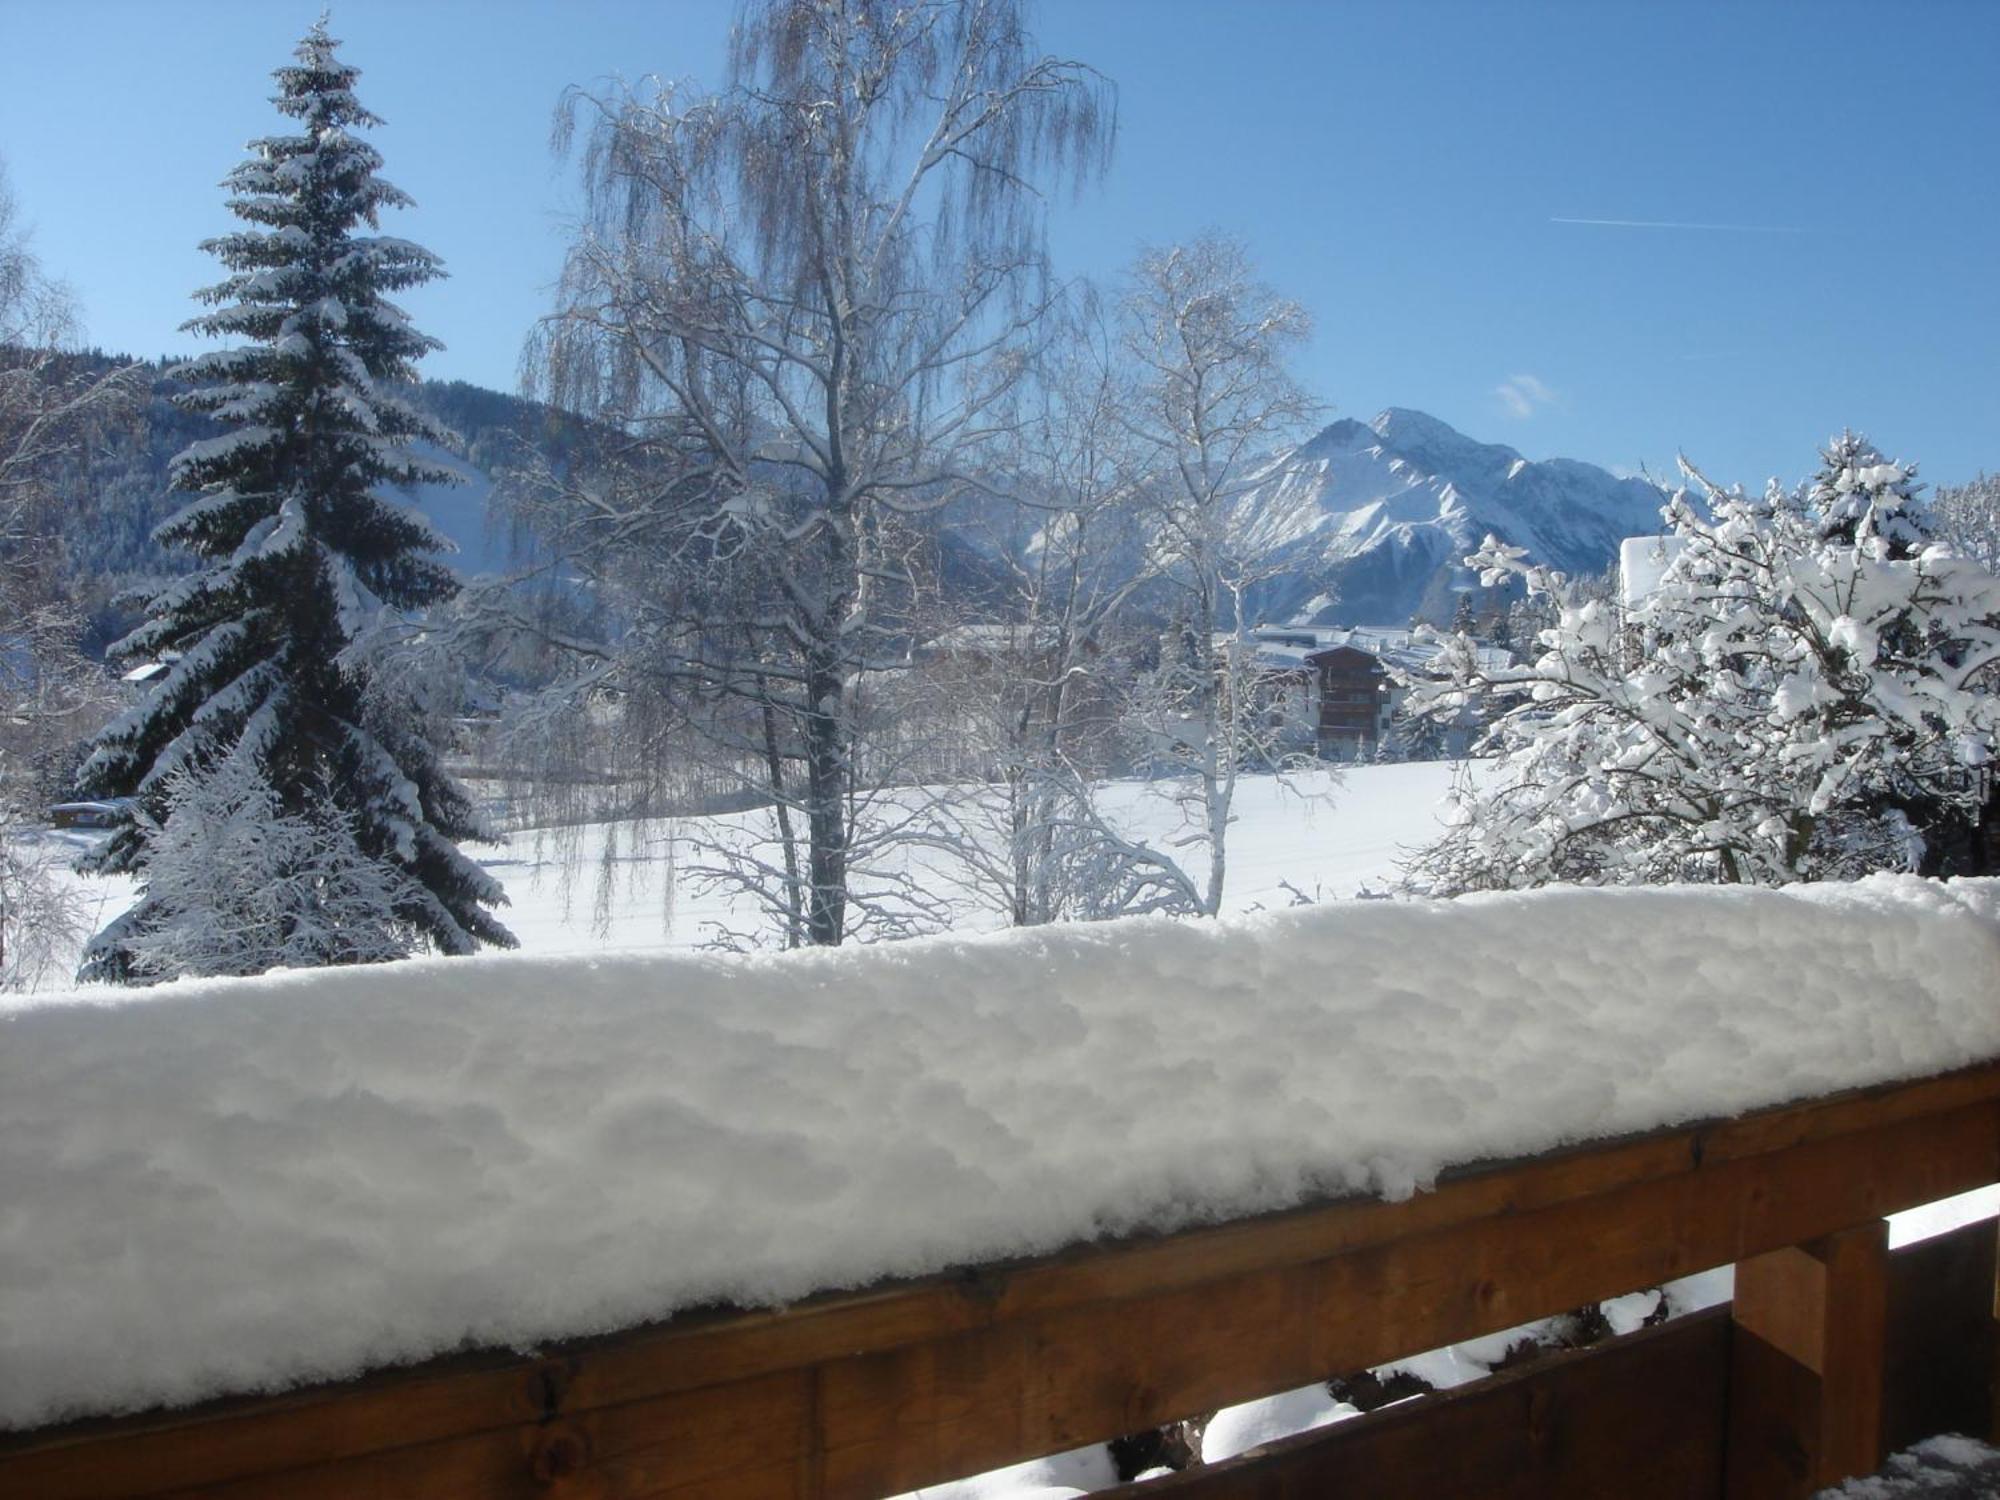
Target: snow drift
[{"x": 245, "y": 1184}]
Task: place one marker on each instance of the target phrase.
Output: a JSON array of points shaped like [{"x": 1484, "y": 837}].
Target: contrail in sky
[{"x": 1674, "y": 224}]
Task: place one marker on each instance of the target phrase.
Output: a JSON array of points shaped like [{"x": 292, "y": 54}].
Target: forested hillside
[{"x": 116, "y": 488}]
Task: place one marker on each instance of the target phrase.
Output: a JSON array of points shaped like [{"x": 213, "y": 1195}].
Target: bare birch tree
[
  {"x": 50, "y": 695},
  {"x": 1210, "y": 402},
  {"x": 1036, "y": 691},
  {"x": 807, "y": 294}
]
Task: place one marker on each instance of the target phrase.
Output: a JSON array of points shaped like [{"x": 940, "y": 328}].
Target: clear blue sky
[{"x": 1399, "y": 168}]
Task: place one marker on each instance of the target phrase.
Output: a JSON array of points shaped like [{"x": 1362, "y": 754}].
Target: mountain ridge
[{"x": 1370, "y": 522}]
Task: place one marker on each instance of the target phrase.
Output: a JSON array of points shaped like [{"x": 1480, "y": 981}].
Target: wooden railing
[
  {"x": 857, "y": 1396},
  {"x": 1644, "y": 1417}
]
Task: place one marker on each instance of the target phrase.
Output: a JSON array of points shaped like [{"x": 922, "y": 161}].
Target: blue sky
[{"x": 1403, "y": 170}]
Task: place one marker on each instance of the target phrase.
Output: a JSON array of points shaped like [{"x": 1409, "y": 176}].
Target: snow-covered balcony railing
[{"x": 1086, "y": 1180}]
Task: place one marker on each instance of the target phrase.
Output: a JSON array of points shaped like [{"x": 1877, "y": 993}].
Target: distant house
[
  {"x": 1351, "y": 690},
  {"x": 1642, "y": 564},
  {"x": 140, "y": 680},
  {"x": 1356, "y": 700},
  {"x": 950, "y": 709},
  {"x": 108, "y": 813}
]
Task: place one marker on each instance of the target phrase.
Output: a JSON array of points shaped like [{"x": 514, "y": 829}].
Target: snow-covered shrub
[
  {"x": 236, "y": 885},
  {"x": 42, "y": 918},
  {"x": 1804, "y": 693},
  {"x": 1967, "y": 518}
]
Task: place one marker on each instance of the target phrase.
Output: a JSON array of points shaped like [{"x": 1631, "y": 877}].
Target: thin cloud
[
  {"x": 1524, "y": 395},
  {"x": 1678, "y": 224}
]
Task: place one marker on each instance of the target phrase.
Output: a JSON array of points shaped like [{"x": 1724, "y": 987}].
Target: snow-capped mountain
[{"x": 1372, "y": 520}]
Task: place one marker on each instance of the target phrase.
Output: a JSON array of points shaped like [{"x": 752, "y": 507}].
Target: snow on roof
[
  {"x": 1284, "y": 646},
  {"x": 148, "y": 670},
  {"x": 1280, "y": 658},
  {"x": 989, "y": 639},
  {"x": 1642, "y": 562},
  {"x": 240, "y": 1185}
]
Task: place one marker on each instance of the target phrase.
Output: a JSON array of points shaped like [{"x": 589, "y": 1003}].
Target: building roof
[
  {"x": 1642, "y": 562},
  {"x": 1288, "y": 647},
  {"x": 1004, "y": 639}
]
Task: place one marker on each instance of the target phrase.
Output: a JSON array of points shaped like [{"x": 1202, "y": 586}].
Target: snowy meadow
[{"x": 608, "y": 888}]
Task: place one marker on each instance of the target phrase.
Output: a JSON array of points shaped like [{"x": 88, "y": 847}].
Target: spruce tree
[
  {"x": 1860, "y": 497},
  {"x": 299, "y": 553}
]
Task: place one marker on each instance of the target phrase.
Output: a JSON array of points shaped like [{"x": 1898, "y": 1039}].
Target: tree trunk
[
  {"x": 826, "y": 799},
  {"x": 774, "y": 766}
]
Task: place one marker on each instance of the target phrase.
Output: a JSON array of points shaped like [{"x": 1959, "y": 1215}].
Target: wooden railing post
[
  {"x": 1805, "y": 1403},
  {"x": 1993, "y": 1363}
]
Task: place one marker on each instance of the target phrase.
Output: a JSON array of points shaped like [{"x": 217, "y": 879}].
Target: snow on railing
[{"x": 247, "y": 1184}]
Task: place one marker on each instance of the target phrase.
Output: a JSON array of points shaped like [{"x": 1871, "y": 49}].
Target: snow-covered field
[{"x": 1323, "y": 834}]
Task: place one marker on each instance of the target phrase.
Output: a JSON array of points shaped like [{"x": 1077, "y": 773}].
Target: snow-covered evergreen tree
[
  {"x": 1804, "y": 693},
  {"x": 1862, "y": 499},
  {"x": 1463, "y": 620},
  {"x": 299, "y": 553}
]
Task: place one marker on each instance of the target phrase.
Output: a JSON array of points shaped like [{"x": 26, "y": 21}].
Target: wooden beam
[
  {"x": 1993, "y": 1426},
  {"x": 860, "y": 1395},
  {"x": 1939, "y": 1366},
  {"x": 1641, "y": 1418},
  {"x": 1807, "y": 1365}
]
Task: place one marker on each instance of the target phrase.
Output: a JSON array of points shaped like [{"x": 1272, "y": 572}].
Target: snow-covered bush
[
  {"x": 1802, "y": 693},
  {"x": 237, "y": 885},
  {"x": 42, "y": 917},
  {"x": 1967, "y": 517}
]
